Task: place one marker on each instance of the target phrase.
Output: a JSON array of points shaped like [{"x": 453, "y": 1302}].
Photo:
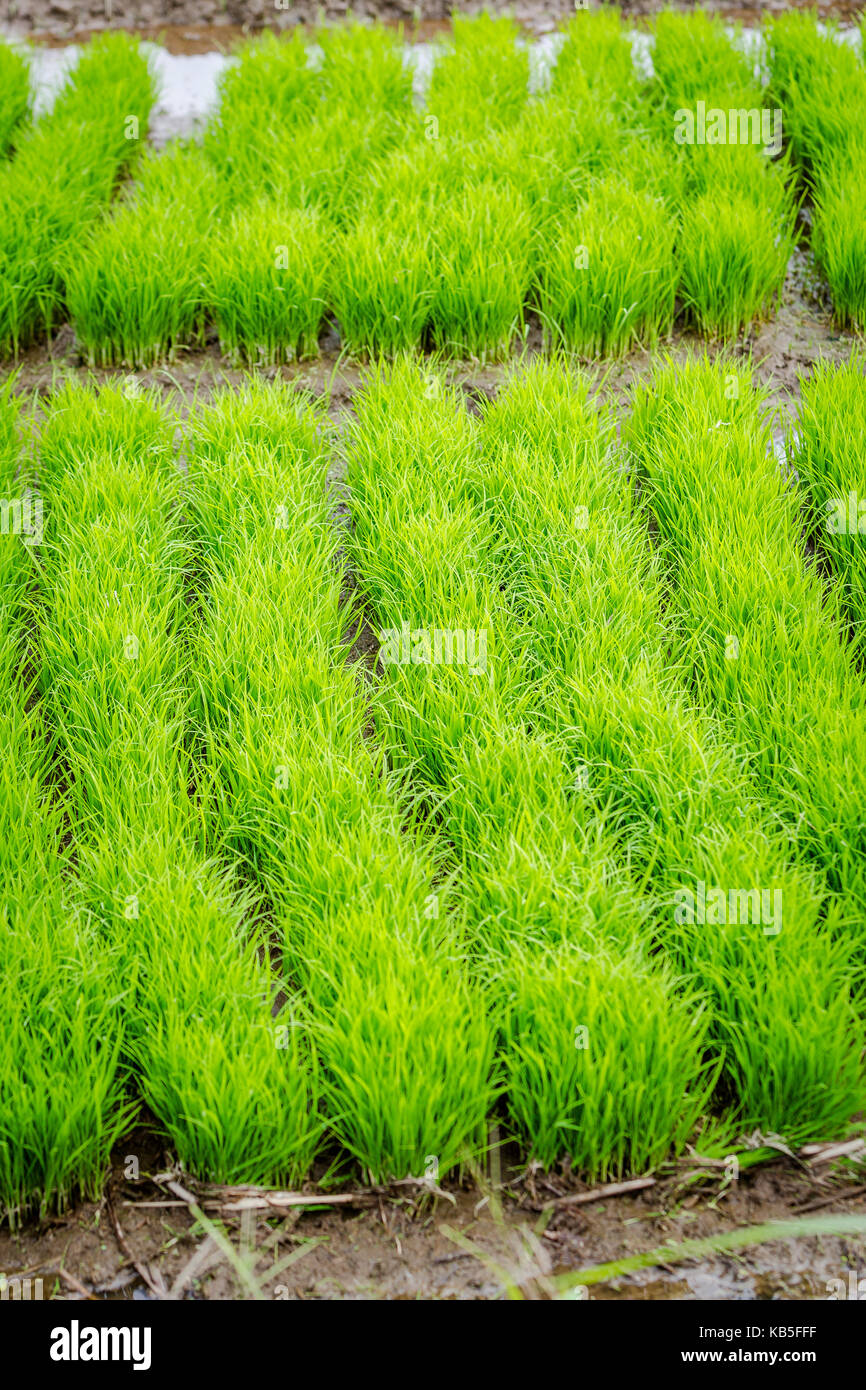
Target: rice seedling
[
  {"x": 14, "y": 95},
  {"x": 591, "y": 137},
  {"x": 576, "y": 1026},
  {"x": 268, "y": 275},
  {"x": 761, "y": 634},
  {"x": 383, "y": 281},
  {"x": 734, "y": 253},
  {"x": 135, "y": 295},
  {"x": 826, "y": 444},
  {"x": 693, "y": 56},
  {"x": 550, "y": 910},
  {"x": 480, "y": 77},
  {"x": 607, "y": 274},
  {"x": 577, "y": 560},
  {"x": 363, "y": 69},
  {"x": 368, "y": 926},
  {"x": 272, "y": 81},
  {"x": 736, "y": 209},
  {"x": 590, "y": 844},
  {"x": 838, "y": 238},
  {"x": 61, "y": 1082},
  {"x": 821, "y": 83},
  {"x": 330, "y": 166},
  {"x": 481, "y": 248},
  {"x": 327, "y": 165},
  {"x": 844, "y": 1224},
  {"x": 266, "y": 97},
  {"x": 595, "y": 60},
  {"x": 63, "y": 174},
  {"x": 288, "y": 126},
  {"x": 556, "y": 153},
  {"x": 216, "y": 1058}
]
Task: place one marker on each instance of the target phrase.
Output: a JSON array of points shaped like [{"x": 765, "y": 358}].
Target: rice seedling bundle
[
  {"x": 136, "y": 289},
  {"x": 266, "y": 99},
  {"x": 367, "y": 925},
  {"x": 383, "y": 280},
  {"x": 268, "y": 282},
  {"x": 578, "y": 561},
  {"x": 826, "y": 445},
  {"x": 596, "y": 59},
  {"x": 215, "y": 1058},
  {"x": 556, "y": 927},
  {"x": 61, "y": 1081},
  {"x": 482, "y": 251},
  {"x": 480, "y": 78},
  {"x": 14, "y": 96},
  {"x": 820, "y": 81},
  {"x": 63, "y": 174},
  {"x": 306, "y": 128},
  {"x": 762, "y": 635},
  {"x": 605, "y": 266},
  {"x": 738, "y": 213},
  {"x": 363, "y": 70}
]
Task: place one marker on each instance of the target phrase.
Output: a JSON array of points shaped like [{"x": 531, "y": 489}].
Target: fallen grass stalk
[{"x": 743, "y": 1239}]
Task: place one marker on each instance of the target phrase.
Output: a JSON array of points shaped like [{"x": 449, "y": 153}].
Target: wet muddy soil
[
  {"x": 471, "y": 1242},
  {"x": 202, "y": 26}
]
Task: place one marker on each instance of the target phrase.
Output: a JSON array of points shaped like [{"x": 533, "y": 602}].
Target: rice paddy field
[{"x": 432, "y": 649}]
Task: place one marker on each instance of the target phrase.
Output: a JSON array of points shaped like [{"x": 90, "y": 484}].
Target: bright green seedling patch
[
  {"x": 595, "y": 59},
  {"x": 827, "y": 448},
  {"x": 14, "y": 95},
  {"x": 544, "y": 892},
  {"x": 266, "y": 98},
  {"x": 600, "y": 1061},
  {"x": 839, "y": 238},
  {"x": 820, "y": 81},
  {"x": 480, "y": 78},
  {"x": 481, "y": 249},
  {"x": 734, "y": 254},
  {"x": 730, "y": 188},
  {"x": 578, "y": 560},
  {"x": 763, "y": 634},
  {"x": 61, "y": 1079},
  {"x": 136, "y": 290},
  {"x": 268, "y": 281},
  {"x": 63, "y": 175},
  {"x": 607, "y": 274},
  {"x": 368, "y": 926},
  {"x": 362, "y": 67},
  {"x": 202, "y": 1022},
  {"x": 383, "y": 281}
]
